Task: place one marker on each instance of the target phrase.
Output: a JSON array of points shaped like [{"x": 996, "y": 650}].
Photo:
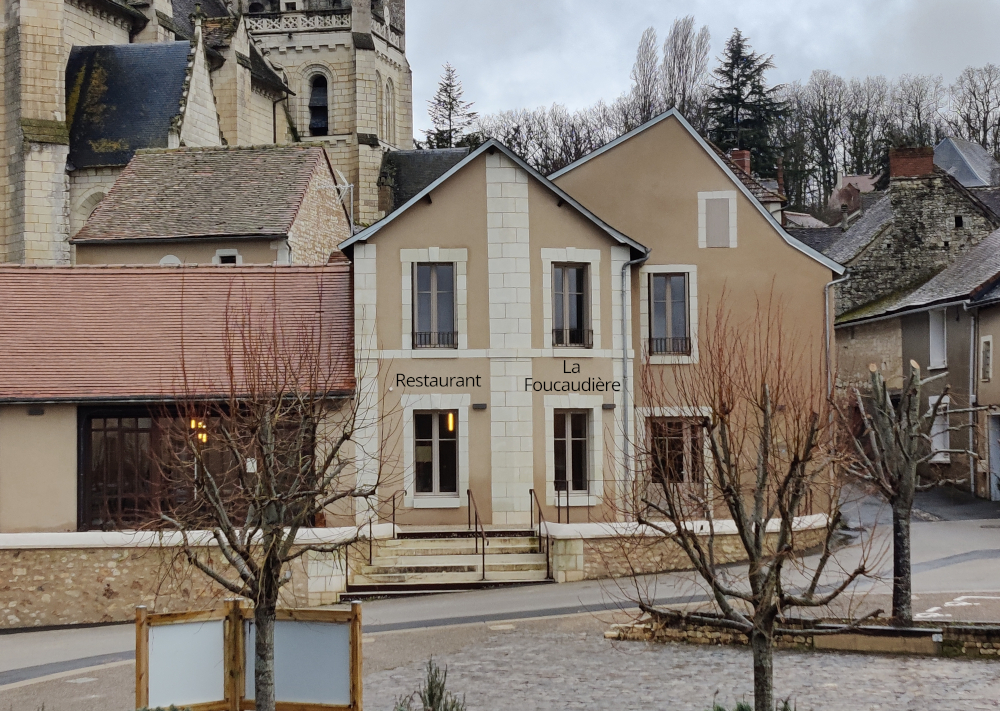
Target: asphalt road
[{"x": 955, "y": 576}]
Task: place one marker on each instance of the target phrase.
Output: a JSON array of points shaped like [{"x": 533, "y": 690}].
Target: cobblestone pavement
[{"x": 567, "y": 664}]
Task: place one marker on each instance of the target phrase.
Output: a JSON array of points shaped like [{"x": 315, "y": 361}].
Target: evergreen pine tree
[
  {"x": 450, "y": 116},
  {"x": 742, "y": 110}
]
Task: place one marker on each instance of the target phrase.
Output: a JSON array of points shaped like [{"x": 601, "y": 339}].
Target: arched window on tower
[
  {"x": 390, "y": 112},
  {"x": 319, "y": 106},
  {"x": 256, "y": 7},
  {"x": 379, "y": 107}
]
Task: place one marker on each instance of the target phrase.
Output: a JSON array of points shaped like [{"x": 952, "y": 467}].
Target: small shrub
[{"x": 433, "y": 696}]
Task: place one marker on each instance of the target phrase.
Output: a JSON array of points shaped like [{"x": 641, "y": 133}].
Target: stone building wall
[
  {"x": 921, "y": 241},
  {"x": 878, "y": 342},
  {"x": 87, "y": 187},
  {"x": 200, "y": 122},
  {"x": 261, "y": 116},
  {"x": 320, "y": 224},
  {"x": 84, "y": 25},
  {"x": 65, "y": 586}
]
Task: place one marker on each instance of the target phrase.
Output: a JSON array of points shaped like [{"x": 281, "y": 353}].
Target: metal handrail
[
  {"x": 675, "y": 346},
  {"x": 559, "y": 498},
  {"x": 533, "y": 499},
  {"x": 480, "y": 529},
  {"x": 378, "y": 507}
]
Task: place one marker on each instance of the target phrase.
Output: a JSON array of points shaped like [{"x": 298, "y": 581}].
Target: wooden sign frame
[{"x": 234, "y": 613}]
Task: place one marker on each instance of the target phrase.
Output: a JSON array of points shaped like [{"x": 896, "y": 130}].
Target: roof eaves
[
  {"x": 835, "y": 267},
  {"x": 496, "y": 145},
  {"x": 170, "y": 239}
]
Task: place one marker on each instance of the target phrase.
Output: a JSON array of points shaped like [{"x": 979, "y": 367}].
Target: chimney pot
[
  {"x": 742, "y": 160},
  {"x": 911, "y": 162}
]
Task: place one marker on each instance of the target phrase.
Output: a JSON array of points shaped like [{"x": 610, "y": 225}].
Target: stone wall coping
[
  {"x": 619, "y": 529},
  {"x": 150, "y": 539}
]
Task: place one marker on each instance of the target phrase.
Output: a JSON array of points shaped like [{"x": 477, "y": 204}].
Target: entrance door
[{"x": 994, "y": 441}]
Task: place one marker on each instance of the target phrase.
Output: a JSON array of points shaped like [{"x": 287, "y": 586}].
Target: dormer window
[{"x": 318, "y": 105}]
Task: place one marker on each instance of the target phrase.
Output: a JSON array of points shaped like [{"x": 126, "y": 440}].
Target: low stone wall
[
  {"x": 52, "y": 582},
  {"x": 948, "y": 640},
  {"x": 594, "y": 551}
]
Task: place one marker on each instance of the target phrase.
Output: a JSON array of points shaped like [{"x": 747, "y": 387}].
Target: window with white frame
[
  {"x": 435, "y": 455},
  {"x": 986, "y": 358},
  {"x": 570, "y": 300},
  {"x": 940, "y": 432},
  {"x": 434, "y": 306},
  {"x": 938, "y": 323},
  {"x": 571, "y": 434},
  {"x": 227, "y": 256},
  {"x": 668, "y": 314},
  {"x": 676, "y": 446}
]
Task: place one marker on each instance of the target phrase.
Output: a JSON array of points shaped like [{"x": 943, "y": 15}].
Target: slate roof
[
  {"x": 758, "y": 190},
  {"x": 990, "y": 197},
  {"x": 819, "y": 238},
  {"x": 206, "y": 192},
  {"x": 120, "y": 98},
  {"x": 218, "y": 31},
  {"x": 261, "y": 71},
  {"x": 969, "y": 277},
  {"x": 862, "y": 232},
  {"x": 406, "y": 173},
  {"x": 183, "y": 9},
  {"x": 969, "y": 163},
  {"x": 82, "y": 333}
]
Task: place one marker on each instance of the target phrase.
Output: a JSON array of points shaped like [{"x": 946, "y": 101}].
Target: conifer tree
[
  {"x": 742, "y": 110},
  {"x": 450, "y": 115}
]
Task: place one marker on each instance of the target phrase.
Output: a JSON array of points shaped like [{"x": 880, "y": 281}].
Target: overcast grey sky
[{"x": 528, "y": 53}]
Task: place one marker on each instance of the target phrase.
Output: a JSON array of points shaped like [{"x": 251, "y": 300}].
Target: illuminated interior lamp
[{"x": 451, "y": 421}]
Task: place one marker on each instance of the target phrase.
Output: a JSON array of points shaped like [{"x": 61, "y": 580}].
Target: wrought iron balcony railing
[
  {"x": 573, "y": 337},
  {"x": 435, "y": 339},
  {"x": 670, "y": 346}
]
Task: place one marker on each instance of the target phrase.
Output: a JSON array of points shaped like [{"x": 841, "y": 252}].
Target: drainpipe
[
  {"x": 973, "y": 396},
  {"x": 826, "y": 301},
  {"x": 625, "y": 342}
]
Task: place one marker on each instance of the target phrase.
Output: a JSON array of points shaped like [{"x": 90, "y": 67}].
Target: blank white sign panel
[
  {"x": 312, "y": 662},
  {"x": 186, "y": 664}
]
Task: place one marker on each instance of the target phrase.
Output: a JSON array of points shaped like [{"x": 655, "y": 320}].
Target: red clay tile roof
[
  {"x": 84, "y": 334},
  {"x": 206, "y": 192}
]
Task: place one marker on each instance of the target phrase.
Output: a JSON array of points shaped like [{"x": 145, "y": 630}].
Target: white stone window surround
[
  {"x": 595, "y": 482},
  {"x": 692, "y": 279},
  {"x": 458, "y": 257},
  {"x": 703, "y": 215},
  {"x": 986, "y": 349},
  {"x": 571, "y": 255},
  {"x": 436, "y": 401},
  {"x": 220, "y": 253},
  {"x": 692, "y": 412}
]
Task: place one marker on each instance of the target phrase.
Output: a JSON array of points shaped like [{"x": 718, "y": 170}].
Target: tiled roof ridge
[{"x": 219, "y": 149}]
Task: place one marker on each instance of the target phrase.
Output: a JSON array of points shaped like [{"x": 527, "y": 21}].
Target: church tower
[{"x": 345, "y": 61}]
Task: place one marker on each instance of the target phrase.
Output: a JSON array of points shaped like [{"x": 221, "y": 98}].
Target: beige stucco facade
[
  {"x": 38, "y": 468},
  {"x": 503, "y": 230}
]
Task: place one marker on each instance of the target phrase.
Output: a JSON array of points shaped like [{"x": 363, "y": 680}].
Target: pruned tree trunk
[
  {"x": 902, "y": 579},
  {"x": 263, "y": 617},
  {"x": 762, "y": 646}
]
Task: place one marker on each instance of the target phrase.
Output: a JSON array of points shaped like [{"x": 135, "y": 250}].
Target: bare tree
[
  {"x": 269, "y": 453},
  {"x": 793, "y": 138},
  {"x": 825, "y": 95},
  {"x": 685, "y": 66},
  {"x": 646, "y": 96},
  {"x": 756, "y": 447},
  {"x": 892, "y": 444},
  {"x": 915, "y": 108},
  {"x": 864, "y": 124},
  {"x": 975, "y": 106}
]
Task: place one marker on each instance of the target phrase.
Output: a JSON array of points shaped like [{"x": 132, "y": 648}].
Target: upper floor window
[
  {"x": 571, "y": 321},
  {"x": 668, "y": 314},
  {"x": 255, "y": 7},
  {"x": 435, "y": 439},
  {"x": 379, "y": 107},
  {"x": 434, "y": 306},
  {"x": 676, "y": 447},
  {"x": 959, "y": 222},
  {"x": 938, "y": 324},
  {"x": 717, "y": 219},
  {"x": 572, "y": 442},
  {"x": 319, "y": 121},
  {"x": 389, "y": 125}
]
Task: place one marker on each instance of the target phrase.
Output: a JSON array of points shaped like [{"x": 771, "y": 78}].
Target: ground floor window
[
  {"x": 676, "y": 448},
  {"x": 572, "y": 443},
  {"x": 435, "y": 436}
]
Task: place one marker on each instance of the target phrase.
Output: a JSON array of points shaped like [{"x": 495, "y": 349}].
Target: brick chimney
[
  {"x": 911, "y": 162},
  {"x": 742, "y": 160}
]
